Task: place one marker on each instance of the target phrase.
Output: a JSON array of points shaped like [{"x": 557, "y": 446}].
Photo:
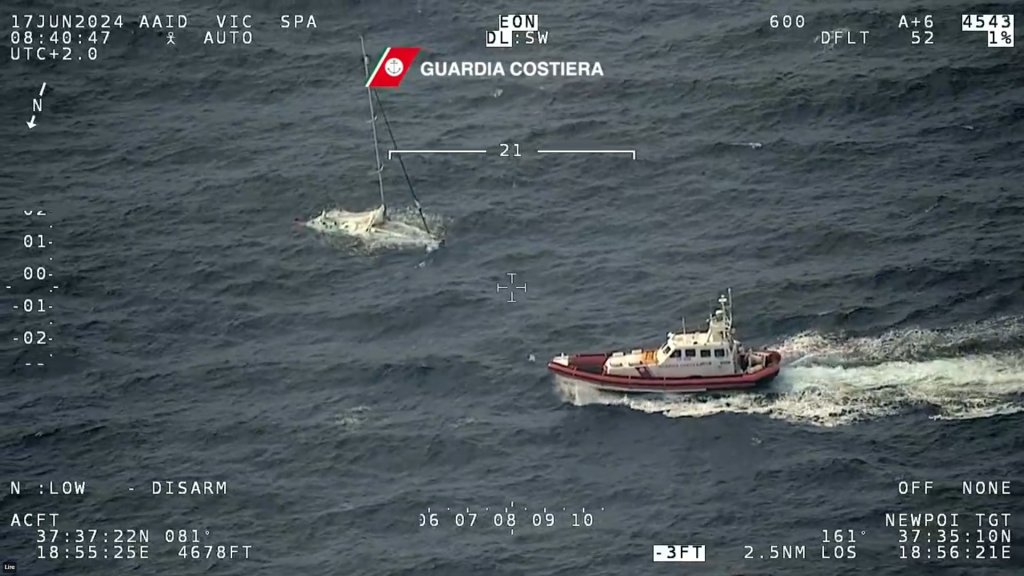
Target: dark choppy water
[{"x": 863, "y": 202}]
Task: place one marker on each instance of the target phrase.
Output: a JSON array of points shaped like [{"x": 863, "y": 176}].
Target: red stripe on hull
[{"x": 579, "y": 371}]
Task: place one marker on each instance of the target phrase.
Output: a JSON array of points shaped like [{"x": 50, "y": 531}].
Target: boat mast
[
  {"x": 727, "y": 311},
  {"x": 373, "y": 123},
  {"x": 730, "y": 307},
  {"x": 415, "y": 199}
]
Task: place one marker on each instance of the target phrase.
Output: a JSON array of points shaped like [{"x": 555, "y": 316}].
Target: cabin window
[
  {"x": 675, "y": 354},
  {"x": 705, "y": 353},
  {"x": 665, "y": 349},
  {"x": 691, "y": 353},
  {"x": 719, "y": 353}
]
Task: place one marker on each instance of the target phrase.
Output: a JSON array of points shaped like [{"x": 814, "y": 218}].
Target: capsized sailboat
[{"x": 377, "y": 225}]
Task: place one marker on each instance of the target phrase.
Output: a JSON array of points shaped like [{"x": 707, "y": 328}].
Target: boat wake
[
  {"x": 973, "y": 371},
  {"x": 402, "y": 230}
]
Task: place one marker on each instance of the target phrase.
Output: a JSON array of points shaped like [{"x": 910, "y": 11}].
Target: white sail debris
[{"x": 374, "y": 232}]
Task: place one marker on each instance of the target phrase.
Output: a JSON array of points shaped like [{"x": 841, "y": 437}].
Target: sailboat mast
[{"x": 373, "y": 121}]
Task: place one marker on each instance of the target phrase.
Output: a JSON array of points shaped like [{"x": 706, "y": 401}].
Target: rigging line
[
  {"x": 373, "y": 124},
  {"x": 415, "y": 199}
]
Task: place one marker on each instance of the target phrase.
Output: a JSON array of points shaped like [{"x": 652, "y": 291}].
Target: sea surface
[{"x": 863, "y": 202}]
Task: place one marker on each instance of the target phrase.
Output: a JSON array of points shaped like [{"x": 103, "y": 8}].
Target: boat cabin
[{"x": 714, "y": 352}]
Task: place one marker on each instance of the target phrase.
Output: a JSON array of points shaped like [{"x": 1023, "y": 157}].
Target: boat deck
[{"x": 591, "y": 363}]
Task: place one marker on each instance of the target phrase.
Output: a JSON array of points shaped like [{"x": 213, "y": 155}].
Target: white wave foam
[
  {"x": 830, "y": 380},
  {"x": 402, "y": 231},
  {"x": 353, "y": 417}
]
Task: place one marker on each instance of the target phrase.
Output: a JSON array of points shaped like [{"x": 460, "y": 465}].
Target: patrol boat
[{"x": 711, "y": 360}]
